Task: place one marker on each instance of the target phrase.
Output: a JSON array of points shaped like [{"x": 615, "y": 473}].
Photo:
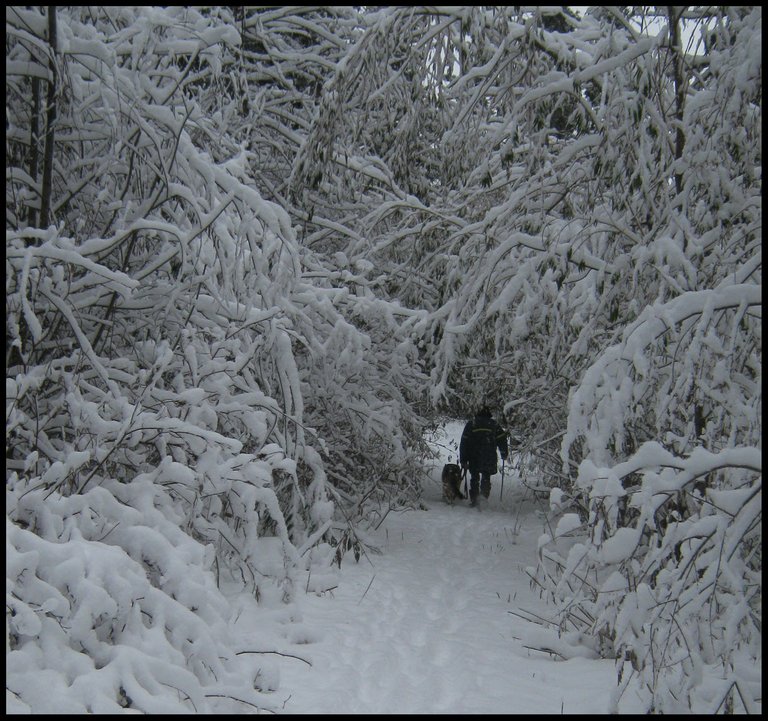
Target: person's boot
[{"x": 485, "y": 489}]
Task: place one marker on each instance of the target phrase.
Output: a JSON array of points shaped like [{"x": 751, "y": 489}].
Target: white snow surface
[{"x": 425, "y": 626}]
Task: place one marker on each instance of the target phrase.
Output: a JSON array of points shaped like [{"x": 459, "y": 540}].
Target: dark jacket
[{"x": 479, "y": 441}]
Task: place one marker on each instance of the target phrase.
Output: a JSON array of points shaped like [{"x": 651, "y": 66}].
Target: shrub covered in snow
[
  {"x": 111, "y": 605},
  {"x": 184, "y": 387},
  {"x": 665, "y": 426}
]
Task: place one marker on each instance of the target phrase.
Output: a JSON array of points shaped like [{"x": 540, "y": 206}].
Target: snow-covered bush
[
  {"x": 668, "y": 577},
  {"x": 110, "y": 604},
  {"x": 185, "y": 382},
  {"x": 665, "y": 424}
]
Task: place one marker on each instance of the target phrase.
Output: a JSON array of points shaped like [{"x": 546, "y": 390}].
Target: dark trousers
[{"x": 480, "y": 478}]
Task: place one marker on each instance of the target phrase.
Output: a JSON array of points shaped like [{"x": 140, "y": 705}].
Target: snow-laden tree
[
  {"x": 189, "y": 392},
  {"x": 666, "y": 422},
  {"x": 461, "y": 210},
  {"x": 290, "y": 59},
  {"x": 576, "y": 187}
]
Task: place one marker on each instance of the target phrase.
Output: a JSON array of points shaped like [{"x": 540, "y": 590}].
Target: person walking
[{"x": 481, "y": 438}]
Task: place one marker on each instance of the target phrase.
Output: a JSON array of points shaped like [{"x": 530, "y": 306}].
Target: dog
[{"x": 452, "y": 482}]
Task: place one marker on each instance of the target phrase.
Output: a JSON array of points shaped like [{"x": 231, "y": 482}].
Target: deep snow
[{"x": 425, "y": 626}]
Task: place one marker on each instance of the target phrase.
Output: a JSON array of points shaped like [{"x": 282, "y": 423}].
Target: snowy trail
[{"x": 424, "y": 627}]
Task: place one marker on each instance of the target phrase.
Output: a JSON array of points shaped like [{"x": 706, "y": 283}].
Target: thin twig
[
  {"x": 366, "y": 590},
  {"x": 277, "y": 653}
]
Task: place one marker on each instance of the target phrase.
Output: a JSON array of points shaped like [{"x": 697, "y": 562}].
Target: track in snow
[{"x": 424, "y": 627}]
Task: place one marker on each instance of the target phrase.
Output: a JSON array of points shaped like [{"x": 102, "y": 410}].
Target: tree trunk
[
  {"x": 34, "y": 139},
  {"x": 50, "y": 121},
  {"x": 674, "y": 14}
]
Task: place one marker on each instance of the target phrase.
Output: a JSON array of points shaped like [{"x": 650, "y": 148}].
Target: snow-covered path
[{"x": 424, "y": 627}]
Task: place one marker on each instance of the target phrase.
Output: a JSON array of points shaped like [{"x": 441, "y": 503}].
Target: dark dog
[{"x": 452, "y": 482}]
